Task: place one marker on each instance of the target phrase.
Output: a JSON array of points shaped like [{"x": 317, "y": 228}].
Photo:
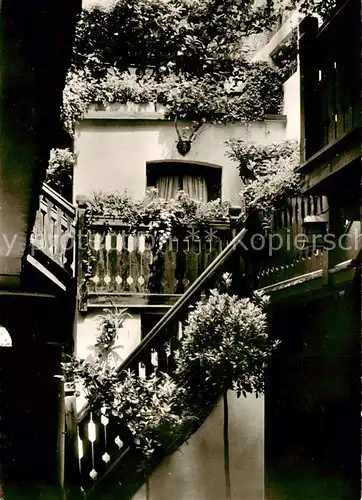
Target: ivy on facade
[
  {"x": 267, "y": 171},
  {"x": 198, "y": 99},
  {"x": 186, "y": 55}
]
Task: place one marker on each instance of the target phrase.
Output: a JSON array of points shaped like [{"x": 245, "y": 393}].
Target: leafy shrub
[
  {"x": 152, "y": 408},
  {"x": 224, "y": 346},
  {"x": 268, "y": 171},
  {"x": 193, "y": 37},
  {"x": 324, "y": 8}
]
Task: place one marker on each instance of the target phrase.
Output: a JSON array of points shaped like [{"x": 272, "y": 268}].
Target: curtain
[
  {"x": 168, "y": 187},
  {"x": 195, "y": 187}
]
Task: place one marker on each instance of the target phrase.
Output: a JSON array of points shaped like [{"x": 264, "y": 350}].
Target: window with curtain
[
  {"x": 168, "y": 186},
  {"x": 195, "y": 187},
  {"x": 200, "y": 181}
]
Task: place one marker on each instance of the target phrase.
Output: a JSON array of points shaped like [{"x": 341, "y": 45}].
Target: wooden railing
[
  {"x": 104, "y": 443},
  {"x": 54, "y": 228},
  {"x": 330, "y": 76},
  {"x": 290, "y": 251},
  {"x": 121, "y": 262}
]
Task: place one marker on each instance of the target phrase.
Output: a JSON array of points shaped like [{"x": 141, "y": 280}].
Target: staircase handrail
[{"x": 58, "y": 200}]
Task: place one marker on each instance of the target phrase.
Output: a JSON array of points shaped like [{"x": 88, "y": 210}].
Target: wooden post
[
  {"x": 336, "y": 228},
  {"x": 81, "y": 254},
  {"x": 308, "y": 86},
  {"x": 226, "y": 446},
  {"x": 72, "y": 472}
]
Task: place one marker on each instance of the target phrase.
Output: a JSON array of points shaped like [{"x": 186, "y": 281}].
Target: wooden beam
[
  {"x": 331, "y": 159},
  {"x": 131, "y": 300},
  {"x": 308, "y": 83}
]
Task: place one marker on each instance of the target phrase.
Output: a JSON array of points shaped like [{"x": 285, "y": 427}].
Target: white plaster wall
[
  {"x": 112, "y": 154},
  {"x": 291, "y": 107},
  {"x": 87, "y": 329},
  {"x": 196, "y": 471},
  {"x": 292, "y": 20}
]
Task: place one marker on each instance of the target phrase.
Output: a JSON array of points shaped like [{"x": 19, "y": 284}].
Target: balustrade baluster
[
  {"x": 144, "y": 263},
  {"x": 47, "y": 228},
  {"x": 100, "y": 260},
  {"x": 162, "y": 364},
  {"x": 169, "y": 280},
  {"x": 147, "y": 362},
  {"x": 192, "y": 252},
  {"x": 285, "y": 217},
  {"x": 156, "y": 273},
  {"x": 123, "y": 263},
  {"x": 58, "y": 237},
  {"x": 180, "y": 266},
  {"x": 108, "y": 262},
  {"x": 131, "y": 279}
]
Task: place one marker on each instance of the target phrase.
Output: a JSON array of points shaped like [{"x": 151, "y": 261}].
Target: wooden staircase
[{"x": 102, "y": 456}]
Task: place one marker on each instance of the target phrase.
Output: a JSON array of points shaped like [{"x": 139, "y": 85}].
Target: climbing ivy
[
  {"x": 267, "y": 171},
  {"x": 199, "y": 99}
]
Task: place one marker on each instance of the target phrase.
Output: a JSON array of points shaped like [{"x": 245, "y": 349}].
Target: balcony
[
  {"x": 290, "y": 253},
  {"x": 118, "y": 266},
  {"x": 51, "y": 248},
  {"x": 302, "y": 249}
]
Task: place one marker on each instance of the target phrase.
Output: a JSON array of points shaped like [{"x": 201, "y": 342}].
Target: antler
[
  {"x": 177, "y": 130},
  {"x": 183, "y": 144},
  {"x": 196, "y": 128}
]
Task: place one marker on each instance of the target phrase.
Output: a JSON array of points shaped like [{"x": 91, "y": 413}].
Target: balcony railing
[
  {"x": 54, "y": 229},
  {"x": 123, "y": 263},
  {"x": 291, "y": 250},
  {"x": 330, "y": 76}
]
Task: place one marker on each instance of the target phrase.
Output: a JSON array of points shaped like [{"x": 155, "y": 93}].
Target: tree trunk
[{"x": 226, "y": 447}]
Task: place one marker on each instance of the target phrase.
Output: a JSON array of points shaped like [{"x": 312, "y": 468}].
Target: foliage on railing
[
  {"x": 160, "y": 216},
  {"x": 225, "y": 340},
  {"x": 54, "y": 230},
  {"x": 150, "y": 245}
]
